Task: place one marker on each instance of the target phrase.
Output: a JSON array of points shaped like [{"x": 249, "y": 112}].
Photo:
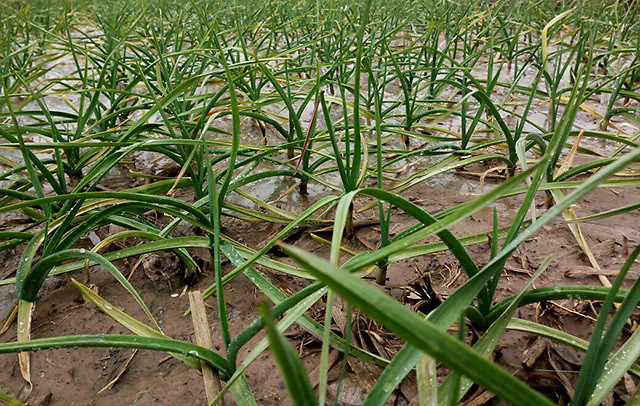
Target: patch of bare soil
[{"x": 88, "y": 376}]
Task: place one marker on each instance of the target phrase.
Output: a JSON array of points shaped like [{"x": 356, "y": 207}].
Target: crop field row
[{"x": 321, "y": 202}]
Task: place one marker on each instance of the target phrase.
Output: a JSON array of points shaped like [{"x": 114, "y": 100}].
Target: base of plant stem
[
  {"x": 381, "y": 275},
  {"x": 348, "y": 226},
  {"x": 75, "y": 178},
  {"x": 406, "y": 140},
  {"x": 548, "y": 200},
  {"x": 212, "y": 262},
  {"x": 263, "y": 131}
]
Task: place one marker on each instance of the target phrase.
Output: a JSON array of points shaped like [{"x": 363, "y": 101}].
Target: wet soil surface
[{"x": 82, "y": 376}]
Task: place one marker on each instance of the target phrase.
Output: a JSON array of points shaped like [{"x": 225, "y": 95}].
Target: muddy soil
[{"x": 81, "y": 376}]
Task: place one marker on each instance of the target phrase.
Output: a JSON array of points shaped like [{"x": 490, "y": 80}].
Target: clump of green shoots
[{"x": 231, "y": 95}]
